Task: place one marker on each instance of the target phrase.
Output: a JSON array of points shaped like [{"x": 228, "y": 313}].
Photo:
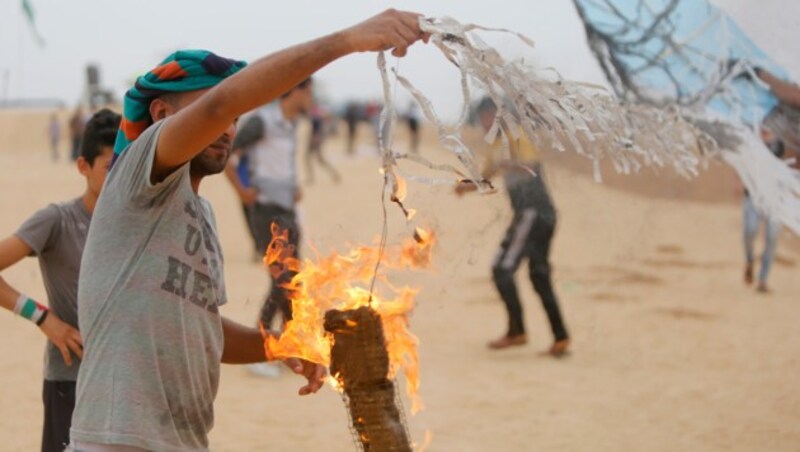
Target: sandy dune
[{"x": 671, "y": 351}]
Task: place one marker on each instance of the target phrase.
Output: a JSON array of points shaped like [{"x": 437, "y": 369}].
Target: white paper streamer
[{"x": 572, "y": 116}]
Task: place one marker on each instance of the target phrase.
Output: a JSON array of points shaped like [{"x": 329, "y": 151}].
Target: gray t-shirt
[
  {"x": 151, "y": 284},
  {"x": 270, "y": 141},
  {"x": 57, "y": 234}
]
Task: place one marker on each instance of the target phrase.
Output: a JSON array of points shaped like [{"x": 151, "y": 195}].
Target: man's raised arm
[{"x": 195, "y": 127}]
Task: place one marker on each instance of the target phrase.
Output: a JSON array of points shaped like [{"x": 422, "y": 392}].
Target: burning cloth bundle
[
  {"x": 361, "y": 365},
  {"x": 341, "y": 321}
]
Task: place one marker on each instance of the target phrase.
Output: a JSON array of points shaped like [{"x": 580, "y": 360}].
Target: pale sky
[{"x": 128, "y": 38}]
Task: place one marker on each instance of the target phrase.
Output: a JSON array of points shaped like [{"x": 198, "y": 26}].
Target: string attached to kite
[{"x": 386, "y": 120}]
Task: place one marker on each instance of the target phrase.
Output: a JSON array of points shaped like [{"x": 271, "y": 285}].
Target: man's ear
[
  {"x": 83, "y": 166},
  {"x": 159, "y": 109}
]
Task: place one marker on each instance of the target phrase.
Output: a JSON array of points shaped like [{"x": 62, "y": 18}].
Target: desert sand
[{"x": 671, "y": 351}]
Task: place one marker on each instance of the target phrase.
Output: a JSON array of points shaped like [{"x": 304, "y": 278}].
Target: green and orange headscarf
[{"x": 184, "y": 70}]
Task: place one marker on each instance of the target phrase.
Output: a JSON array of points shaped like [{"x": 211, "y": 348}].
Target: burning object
[
  {"x": 360, "y": 364},
  {"x": 341, "y": 320}
]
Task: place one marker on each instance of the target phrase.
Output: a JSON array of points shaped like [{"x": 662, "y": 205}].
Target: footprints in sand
[
  {"x": 613, "y": 278},
  {"x": 669, "y": 249},
  {"x": 677, "y": 313},
  {"x": 619, "y": 275},
  {"x": 610, "y": 297},
  {"x": 784, "y": 261},
  {"x": 643, "y": 271},
  {"x": 685, "y": 313},
  {"x": 686, "y": 264},
  {"x": 671, "y": 256}
]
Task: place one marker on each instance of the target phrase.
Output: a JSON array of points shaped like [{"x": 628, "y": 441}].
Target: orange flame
[
  {"x": 426, "y": 442},
  {"x": 342, "y": 281},
  {"x": 401, "y": 188}
]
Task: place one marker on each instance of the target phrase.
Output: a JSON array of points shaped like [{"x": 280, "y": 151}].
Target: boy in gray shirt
[{"x": 56, "y": 235}]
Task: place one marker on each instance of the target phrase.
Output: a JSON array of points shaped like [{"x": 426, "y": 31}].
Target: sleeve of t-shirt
[
  {"x": 249, "y": 133},
  {"x": 130, "y": 176},
  {"x": 40, "y": 230}
]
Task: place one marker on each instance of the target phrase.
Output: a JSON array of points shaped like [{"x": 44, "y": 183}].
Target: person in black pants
[
  {"x": 314, "y": 147},
  {"x": 268, "y": 139},
  {"x": 528, "y": 236}
]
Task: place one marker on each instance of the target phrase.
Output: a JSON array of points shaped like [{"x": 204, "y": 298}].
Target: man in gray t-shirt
[
  {"x": 151, "y": 294},
  {"x": 56, "y": 235},
  {"x": 152, "y": 281}
]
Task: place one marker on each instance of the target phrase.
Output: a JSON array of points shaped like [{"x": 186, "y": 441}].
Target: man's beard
[{"x": 210, "y": 161}]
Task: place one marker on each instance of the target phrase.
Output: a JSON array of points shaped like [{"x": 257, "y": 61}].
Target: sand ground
[{"x": 671, "y": 351}]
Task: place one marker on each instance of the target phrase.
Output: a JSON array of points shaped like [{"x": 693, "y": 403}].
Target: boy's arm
[
  {"x": 12, "y": 250},
  {"x": 62, "y": 335},
  {"x": 195, "y": 127},
  {"x": 783, "y": 90},
  {"x": 245, "y": 345}
]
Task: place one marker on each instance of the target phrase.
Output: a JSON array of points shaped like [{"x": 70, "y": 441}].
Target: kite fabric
[{"x": 689, "y": 54}]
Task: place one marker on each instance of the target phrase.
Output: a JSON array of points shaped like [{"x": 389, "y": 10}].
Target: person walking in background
[
  {"x": 54, "y": 135},
  {"x": 314, "y": 150},
  {"x": 528, "y": 237},
  {"x": 780, "y": 131},
  {"x": 372, "y": 112},
  {"x": 269, "y": 140},
  {"x": 77, "y": 124},
  {"x": 56, "y": 235},
  {"x": 412, "y": 119},
  {"x": 351, "y": 118},
  {"x": 752, "y": 219}
]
